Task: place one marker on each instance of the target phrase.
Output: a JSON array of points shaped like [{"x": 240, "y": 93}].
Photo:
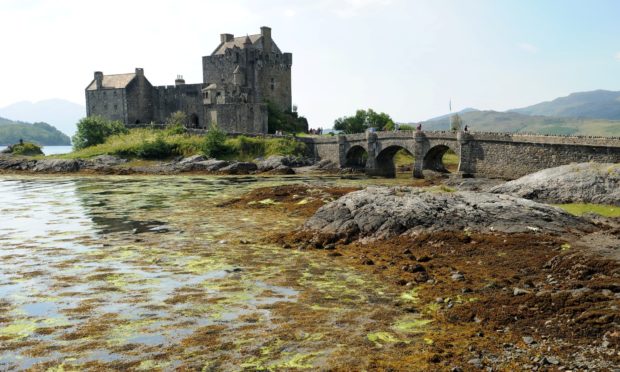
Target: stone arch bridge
[{"x": 502, "y": 155}]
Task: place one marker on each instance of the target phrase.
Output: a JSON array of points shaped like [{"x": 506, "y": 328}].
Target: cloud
[
  {"x": 617, "y": 56},
  {"x": 527, "y": 47}
]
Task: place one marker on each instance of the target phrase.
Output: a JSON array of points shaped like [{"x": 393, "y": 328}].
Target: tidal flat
[{"x": 148, "y": 273}]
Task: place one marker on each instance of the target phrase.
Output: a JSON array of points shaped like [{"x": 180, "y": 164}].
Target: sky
[{"x": 407, "y": 58}]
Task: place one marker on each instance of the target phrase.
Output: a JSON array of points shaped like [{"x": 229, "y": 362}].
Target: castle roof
[
  {"x": 240, "y": 42},
  {"x": 117, "y": 81}
]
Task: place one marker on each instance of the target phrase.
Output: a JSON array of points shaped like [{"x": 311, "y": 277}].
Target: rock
[
  {"x": 210, "y": 165},
  {"x": 16, "y": 163},
  {"x": 101, "y": 162},
  {"x": 239, "y": 168},
  {"x": 272, "y": 162},
  {"x": 520, "y": 291},
  {"x": 424, "y": 259},
  {"x": 457, "y": 277},
  {"x": 476, "y": 363},
  {"x": 456, "y": 369},
  {"x": 326, "y": 165},
  {"x": 414, "y": 268},
  {"x": 57, "y": 165},
  {"x": 193, "y": 159},
  {"x": 528, "y": 340},
  {"x": 282, "y": 169},
  {"x": 550, "y": 360},
  {"x": 383, "y": 212},
  {"x": 574, "y": 183}
]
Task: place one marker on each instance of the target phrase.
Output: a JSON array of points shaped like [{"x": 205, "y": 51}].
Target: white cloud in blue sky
[{"x": 404, "y": 57}]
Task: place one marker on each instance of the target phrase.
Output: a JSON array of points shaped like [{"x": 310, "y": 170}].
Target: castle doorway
[{"x": 193, "y": 120}]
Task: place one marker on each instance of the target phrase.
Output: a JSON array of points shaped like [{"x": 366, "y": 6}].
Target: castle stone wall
[
  {"x": 237, "y": 117},
  {"x": 108, "y": 103},
  {"x": 186, "y": 98}
]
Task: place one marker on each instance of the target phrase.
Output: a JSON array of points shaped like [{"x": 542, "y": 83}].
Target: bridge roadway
[{"x": 504, "y": 155}]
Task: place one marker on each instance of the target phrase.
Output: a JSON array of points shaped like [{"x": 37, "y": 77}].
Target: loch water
[{"x": 150, "y": 273}]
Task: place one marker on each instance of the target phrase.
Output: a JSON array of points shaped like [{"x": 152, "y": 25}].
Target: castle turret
[
  {"x": 179, "y": 80},
  {"x": 98, "y": 79},
  {"x": 139, "y": 71},
  {"x": 267, "y": 42}
]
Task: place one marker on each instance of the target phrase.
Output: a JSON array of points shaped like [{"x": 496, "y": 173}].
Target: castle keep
[{"x": 239, "y": 78}]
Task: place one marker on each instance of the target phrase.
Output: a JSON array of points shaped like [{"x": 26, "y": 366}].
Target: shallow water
[{"x": 147, "y": 273}]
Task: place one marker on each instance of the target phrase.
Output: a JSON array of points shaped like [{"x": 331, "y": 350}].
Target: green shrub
[
  {"x": 214, "y": 144},
  {"x": 94, "y": 130},
  {"x": 405, "y": 127},
  {"x": 26, "y": 148},
  {"x": 247, "y": 147},
  {"x": 285, "y": 146},
  {"x": 156, "y": 149},
  {"x": 175, "y": 123}
]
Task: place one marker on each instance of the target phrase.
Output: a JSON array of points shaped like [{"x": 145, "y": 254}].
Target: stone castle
[{"x": 240, "y": 77}]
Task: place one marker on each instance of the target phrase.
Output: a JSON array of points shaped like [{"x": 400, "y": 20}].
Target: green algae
[
  {"x": 19, "y": 329},
  {"x": 411, "y": 325},
  {"x": 379, "y": 338},
  {"x": 411, "y": 296}
]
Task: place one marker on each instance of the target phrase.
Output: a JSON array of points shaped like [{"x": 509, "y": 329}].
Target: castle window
[
  {"x": 273, "y": 84},
  {"x": 115, "y": 107},
  {"x": 105, "y": 107}
]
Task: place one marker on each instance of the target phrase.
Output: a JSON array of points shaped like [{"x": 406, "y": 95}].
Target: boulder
[
  {"x": 574, "y": 183},
  {"x": 272, "y": 162},
  {"x": 239, "y": 168},
  {"x": 282, "y": 169},
  {"x": 383, "y": 212},
  {"x": 210, "y": 165},
  {"x": 57, "y": 165}
]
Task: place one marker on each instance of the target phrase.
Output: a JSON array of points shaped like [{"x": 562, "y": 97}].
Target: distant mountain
[
  {"x": 493, "y": 121},
  {"x": 60, "y": 113},
  {"x": 597, "y": 104},
  {"x": 41, "y": 133},
  {"x": 446, "y": 116}
]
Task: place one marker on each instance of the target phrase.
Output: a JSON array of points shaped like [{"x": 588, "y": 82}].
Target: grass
[
  {"x": 579, "y": 209},
  {"x": 145, "y": 143}
]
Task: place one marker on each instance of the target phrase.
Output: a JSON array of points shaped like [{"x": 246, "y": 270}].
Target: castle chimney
[
  {"x": 179, "y": 80},
  {"x": 266, "y": 33},
  {"x": 98, "y": 79},
  {"x": 139, "y": 71},
  {"x": 224, "y": 38}
]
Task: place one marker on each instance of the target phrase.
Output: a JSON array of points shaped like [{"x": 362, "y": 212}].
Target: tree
[
  {"x": 94, "y": 130},
  {"x": 362, "y": 120},
  {"x": 286, "y": 121}
]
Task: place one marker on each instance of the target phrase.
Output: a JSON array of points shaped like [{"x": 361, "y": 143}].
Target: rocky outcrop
[
  {"x": 57, "y": 166},
  {"x": 382, "y": 212},
  {"x": 101, "y": 162},
  {"x": 573, "y": 183},
  {"x": 9, "y": 162}
]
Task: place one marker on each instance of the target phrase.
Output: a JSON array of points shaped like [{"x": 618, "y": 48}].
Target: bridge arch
[
  {"x": 434, "y": 158},
  {"x": 356, "y": 157},
  {"x": 384, "y": 163}
]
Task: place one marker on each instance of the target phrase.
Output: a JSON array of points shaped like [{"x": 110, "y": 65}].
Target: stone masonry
[
  {"x": 240, "y": 78},
  {"x": 502, "y": 155}
]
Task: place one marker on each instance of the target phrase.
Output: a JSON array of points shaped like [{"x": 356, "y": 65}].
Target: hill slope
[
  {"x": 597, "y": 104},
  {"x": 493, "y": 121},
  {"x": 60, "y": 113},
  {"x": 41, "y": 133}
]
